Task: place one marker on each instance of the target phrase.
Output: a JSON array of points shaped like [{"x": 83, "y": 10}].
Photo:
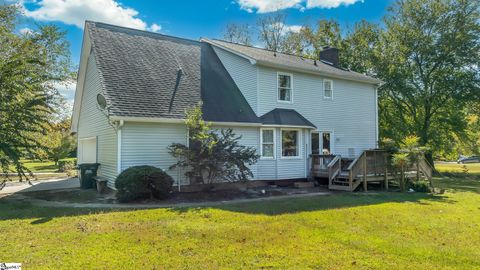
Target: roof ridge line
[{"x": 143, "y": 31}]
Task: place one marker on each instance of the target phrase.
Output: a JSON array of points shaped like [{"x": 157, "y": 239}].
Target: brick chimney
[{"x": 330, "y": 55}]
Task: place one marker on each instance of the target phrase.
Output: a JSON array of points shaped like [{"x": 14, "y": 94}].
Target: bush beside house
[
  {"x": 212, "y": 156},
  {"x": 142, "y": 182}
]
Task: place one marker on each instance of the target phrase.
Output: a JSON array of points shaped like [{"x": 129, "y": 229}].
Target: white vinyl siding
[
  {"x": 243, "y": 73},
  {"x": 93, "y": 123},
  {"x": 147, "y": 144},
  {"x": 352, "y": 115},
  {"x": 249, "y": 137}
]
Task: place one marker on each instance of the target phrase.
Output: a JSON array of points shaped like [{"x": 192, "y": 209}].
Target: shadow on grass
[
  {"x": 18, "y": 209},
  {"x": 458, "y": 182},
  {"x": 320, "y": 203},
  {"x": 11, "y": 209}
]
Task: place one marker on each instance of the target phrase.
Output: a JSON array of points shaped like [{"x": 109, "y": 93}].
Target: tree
[
  {"x": 30, "y": 65},
  {"x": 212, "y": 155},
  {"x": 358, "y": 48},
  {"x": 237, "y": 33},
  {"x": 327, "y": 33},
  {"x": 294, "y": 43},
  {"x": 59, "y": 143},
  {"x": 428, "y": 57},
  {"x": 272, "y": 30}
]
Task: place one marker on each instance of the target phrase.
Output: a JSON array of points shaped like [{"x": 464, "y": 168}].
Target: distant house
[{"x": 134, "y": 86}]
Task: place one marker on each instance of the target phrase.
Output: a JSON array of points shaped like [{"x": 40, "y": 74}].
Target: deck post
[
  {"x": 386, "y": 171},
  {"x": 365, "y": 171}
]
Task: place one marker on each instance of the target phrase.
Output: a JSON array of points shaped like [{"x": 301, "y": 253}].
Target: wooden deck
[{"x": 370, "y": 166}]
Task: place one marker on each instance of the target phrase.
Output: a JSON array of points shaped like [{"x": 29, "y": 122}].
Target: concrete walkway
[{"x": 54, "y": 184}]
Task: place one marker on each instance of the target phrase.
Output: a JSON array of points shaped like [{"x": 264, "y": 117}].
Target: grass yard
[
  {"x": 473, "y": 168},
  {"x": 343, "y": 231},
  {"x": 42, "y": 166}
]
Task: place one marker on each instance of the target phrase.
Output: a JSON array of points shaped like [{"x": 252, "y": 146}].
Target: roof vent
[{"x": 329, "y": 55}]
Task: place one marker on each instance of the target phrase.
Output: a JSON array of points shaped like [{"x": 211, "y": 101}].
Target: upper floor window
[
  {"x": 328, "y": 89},
  {"x": 284, "y": 87}
]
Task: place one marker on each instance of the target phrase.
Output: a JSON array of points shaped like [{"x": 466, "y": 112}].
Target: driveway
[{"x": 54, "y": 184}]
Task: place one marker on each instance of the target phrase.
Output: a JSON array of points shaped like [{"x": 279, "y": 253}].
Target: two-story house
[{"x": 134, "y": 87}]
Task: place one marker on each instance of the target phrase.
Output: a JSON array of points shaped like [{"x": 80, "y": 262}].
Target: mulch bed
[{"x": 91, "y": 196}]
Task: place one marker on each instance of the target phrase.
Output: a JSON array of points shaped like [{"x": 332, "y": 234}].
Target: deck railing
[{"x": 319, "y": 165}]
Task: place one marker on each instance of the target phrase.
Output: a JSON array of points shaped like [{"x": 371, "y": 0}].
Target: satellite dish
[{"x": 102, "y": 102}]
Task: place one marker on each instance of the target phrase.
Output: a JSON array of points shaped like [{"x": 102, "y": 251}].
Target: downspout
[
  {"x": 119, "y": 145},
  {"x": 376, "y": 119}
]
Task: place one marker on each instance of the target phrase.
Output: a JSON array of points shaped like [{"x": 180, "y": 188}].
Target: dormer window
[
  {"x": 327, "y": 89},
  {"x": 284, "y": 82}
]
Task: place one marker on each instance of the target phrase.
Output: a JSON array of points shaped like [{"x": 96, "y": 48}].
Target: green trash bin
[{"x": 86, "y": 174}]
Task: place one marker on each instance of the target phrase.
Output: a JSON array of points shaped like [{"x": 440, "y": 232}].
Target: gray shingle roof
[
  {"x": 266, "y": 57},
  {"x": 285, "y": 117},
  {"x": 152, "y": 75}
]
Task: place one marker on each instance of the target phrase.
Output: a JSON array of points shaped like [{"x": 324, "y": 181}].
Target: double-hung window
[
  {"x": 327, "y": 89},
  {"x": 284, "y": 82},
  {"x": 290, "y": 143},
  {"x": 268, "y": 143}
]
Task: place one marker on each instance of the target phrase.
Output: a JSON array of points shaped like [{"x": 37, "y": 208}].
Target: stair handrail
[
  {"x": 334, "y": 167},
  {"x": 426, "y": 168},
  {"x": 355, "y": 167}
]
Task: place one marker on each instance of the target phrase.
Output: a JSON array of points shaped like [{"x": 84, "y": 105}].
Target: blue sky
[{"x": 190, "y": 19}]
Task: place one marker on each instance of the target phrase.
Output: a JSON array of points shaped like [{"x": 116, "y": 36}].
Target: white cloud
[
  {"x": 292, "y": 28},
  {"x": 26, "y": 31},
  {"x": 265, "y": 6},
  {"x": 330, "y": 3},
  {"x": 67, "y": 90},
  {"x": 155, "y": 28},
  {"x": 287, "y": 28},
  {"x": 75, "y": 12}
]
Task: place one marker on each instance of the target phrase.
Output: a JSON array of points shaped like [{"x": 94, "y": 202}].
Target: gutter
[
  {"x": 119, "y": 145},
  {"x": 182, "y": 121}
]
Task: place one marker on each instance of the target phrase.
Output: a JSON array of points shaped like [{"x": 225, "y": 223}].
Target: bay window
[
  {"x": 268, "y": 143},
  {"x": 290, "y": 143}
]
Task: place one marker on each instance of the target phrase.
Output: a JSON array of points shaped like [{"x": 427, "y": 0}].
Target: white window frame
[
  {"x": 320, "y": 142},
  {"x": 323, "y": 87},
  {"x": 299, "y": 143},
  {"x": 274, "y": 143},
  {"x": 291, "y": 88}
]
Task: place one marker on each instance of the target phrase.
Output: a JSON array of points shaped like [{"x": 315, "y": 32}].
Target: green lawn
[
  {"x": 344, "y": 231},
  {"x": 473, "y": 168},
  {"x": 42, "y": 166}
]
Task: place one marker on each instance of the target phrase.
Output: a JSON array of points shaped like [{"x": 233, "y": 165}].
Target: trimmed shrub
[
  {"x": 160, "y": 185},
  {"x": 419, "y": 186},
  {"x": 141, "y": 182},
  {"x": 65, "y": 165}
]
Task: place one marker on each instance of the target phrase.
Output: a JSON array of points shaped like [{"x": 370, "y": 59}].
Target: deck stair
[{"x": 370, "y": 166}]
